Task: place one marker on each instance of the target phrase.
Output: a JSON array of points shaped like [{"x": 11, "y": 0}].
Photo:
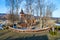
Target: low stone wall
[{"x": 29, "y": 30}]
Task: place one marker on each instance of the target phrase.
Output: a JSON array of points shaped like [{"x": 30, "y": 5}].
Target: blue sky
[
  {"x": 56, "y": 12},
  {"x": 2, "y": 6}
]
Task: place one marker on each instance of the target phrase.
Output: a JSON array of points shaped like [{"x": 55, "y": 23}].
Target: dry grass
[{"x": 10, "y": 35}]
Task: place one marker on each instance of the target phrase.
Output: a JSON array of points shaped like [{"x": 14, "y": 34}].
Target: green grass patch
[{"x": 53, "y": 33}]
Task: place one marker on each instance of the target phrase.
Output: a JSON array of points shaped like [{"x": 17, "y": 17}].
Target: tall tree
[
  {"x": 17, "y": 9},
  {"x": 13, "y": 5},
  {"x": 27, "y": 6},
  {"x": 40, "y": 3}
]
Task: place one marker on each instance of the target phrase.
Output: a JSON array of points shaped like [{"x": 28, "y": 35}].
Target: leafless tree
[
  {"x": 40, "y": 3},
  {"x": 27, "y": 6},
  {"x": 13, "y": 5},
  {"x": 17, "y": 10}
]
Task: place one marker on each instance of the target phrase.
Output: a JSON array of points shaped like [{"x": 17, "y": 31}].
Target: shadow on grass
[
  {"x": 3, "y": 33},
  {"x": 57, "y": 38},
  {"x": 43, "y": 37}
]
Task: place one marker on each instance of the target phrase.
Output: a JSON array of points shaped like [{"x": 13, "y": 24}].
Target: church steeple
[{"x": 21, "y": 12}]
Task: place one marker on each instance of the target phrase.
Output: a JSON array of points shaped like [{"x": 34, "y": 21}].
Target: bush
[
  {"x": 57, "y": 28},
  {"x": 7, "y": 27},
  {"x": 53, "y": 33}
]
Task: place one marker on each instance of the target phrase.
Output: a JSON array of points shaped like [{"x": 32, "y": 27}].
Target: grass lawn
[{"x": 10, "y": 35}]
